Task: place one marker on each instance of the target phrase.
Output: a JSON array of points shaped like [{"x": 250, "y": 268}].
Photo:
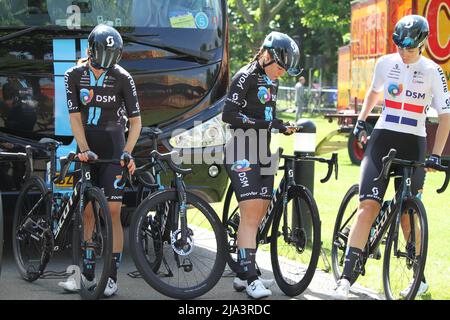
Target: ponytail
[{"x": 258, "y": 55}]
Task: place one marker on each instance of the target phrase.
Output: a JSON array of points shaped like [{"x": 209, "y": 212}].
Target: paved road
[{"x": 12, "y": 287}]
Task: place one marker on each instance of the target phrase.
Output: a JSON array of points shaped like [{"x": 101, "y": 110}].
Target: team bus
[{"x": 176, "y": 51}]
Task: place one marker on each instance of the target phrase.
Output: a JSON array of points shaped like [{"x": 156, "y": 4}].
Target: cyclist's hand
[
  {"x": 86, "y": 156},
  {"x": 360, "y": 131},
  {"x": 432, "y": 162},
  {"x": 276, "y": 125},
  {"x": 131, "y": 164},
  {"x": 291, "y": 128}
]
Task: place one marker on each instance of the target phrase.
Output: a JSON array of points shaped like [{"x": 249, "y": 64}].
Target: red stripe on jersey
[
  {"x": 392, "y": 104},
  {"x": 413, "y": 108}
]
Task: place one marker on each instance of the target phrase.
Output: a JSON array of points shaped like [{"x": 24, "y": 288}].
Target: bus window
[{"x": 193, "y": 14}]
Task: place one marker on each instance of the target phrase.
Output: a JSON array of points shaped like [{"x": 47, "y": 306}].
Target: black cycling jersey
[
  {"x": 251, "y": 100},
  {"x": 250, "y": 104},
  {"x": 408, "y": 146},
  {"x": 103, "y": 102}
]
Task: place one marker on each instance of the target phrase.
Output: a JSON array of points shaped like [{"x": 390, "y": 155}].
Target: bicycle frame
[
  {"x": 394, "y": 210},
  {"x": 280, "y": 196}
]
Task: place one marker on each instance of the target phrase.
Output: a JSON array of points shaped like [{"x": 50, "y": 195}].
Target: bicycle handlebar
[
  {"x": 390, "y": 159},
  {"x": 167, "y": 158},
  {"x": 65, "y": 163},
  {"x": 332, "y": 163}
]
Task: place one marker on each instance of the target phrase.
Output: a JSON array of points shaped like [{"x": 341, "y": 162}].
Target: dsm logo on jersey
[
  {"x": 241, "y": 166},
  {"x": 264, "y": 94},
  {"x": 86, "y": 96},
  {"x": 395, "y": 89},
  {"x": 415, "y": 95}
]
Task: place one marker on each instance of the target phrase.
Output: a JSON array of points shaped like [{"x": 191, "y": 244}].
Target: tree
[{"x": 320, "y": 26}]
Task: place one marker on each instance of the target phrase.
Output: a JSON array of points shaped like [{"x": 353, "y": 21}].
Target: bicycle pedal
[{"x": 135, "y": 274}]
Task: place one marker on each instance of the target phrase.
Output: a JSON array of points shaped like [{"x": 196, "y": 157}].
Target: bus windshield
[{"x": 187, "y": 14}]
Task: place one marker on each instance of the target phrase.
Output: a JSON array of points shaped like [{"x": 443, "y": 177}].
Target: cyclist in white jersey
[{"x": 411, "y": 84}]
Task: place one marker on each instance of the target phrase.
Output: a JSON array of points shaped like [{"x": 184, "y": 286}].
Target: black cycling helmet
[
  {"x": 284, "y": 50},
  {"x": 105, "y": 47},
  {"x": 411, "y": 32}
]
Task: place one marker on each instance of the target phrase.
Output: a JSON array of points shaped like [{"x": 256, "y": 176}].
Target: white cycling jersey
[{"x": 409, "y": 91}]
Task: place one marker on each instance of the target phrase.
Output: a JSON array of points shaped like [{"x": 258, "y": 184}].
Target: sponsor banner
[{"x": 437, "y": 12}]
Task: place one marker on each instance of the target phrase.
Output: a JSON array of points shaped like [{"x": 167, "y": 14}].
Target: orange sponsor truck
[{"x": 372, "y": 25}]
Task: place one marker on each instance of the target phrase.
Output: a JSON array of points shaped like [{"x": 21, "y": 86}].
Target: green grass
[{"x": 329, "y": 195}]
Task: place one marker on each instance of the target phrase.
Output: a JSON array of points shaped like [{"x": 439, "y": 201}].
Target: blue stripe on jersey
[
  {"x": 391, "y": 118},
  {"x": 94, "y": 82},
  {"x": 409, "y": 121}
]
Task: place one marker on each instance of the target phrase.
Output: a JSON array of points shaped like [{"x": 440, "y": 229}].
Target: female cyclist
[
  {"x": 101, "y": 96},
  {"x": 411, "y": 84},
  {"x": 250, "y": 109}
]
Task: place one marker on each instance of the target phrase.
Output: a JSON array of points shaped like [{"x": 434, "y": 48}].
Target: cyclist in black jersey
[
  {"x": 250, "y": 109},
  {"x": 101, "y": 97},
  {"x": 411, "y": 84}
]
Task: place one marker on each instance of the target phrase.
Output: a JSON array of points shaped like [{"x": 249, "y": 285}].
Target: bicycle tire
[
  {"x": 417, "y": 206},
  {"x": 298, "y": 239},
  {"x": 36, "y": 185},
  {"x": 339, "y": 240},
  {"x": 147, "y": 270},
  {"x": 103, "y": 222},
  {"x": 230, "y": 231}
]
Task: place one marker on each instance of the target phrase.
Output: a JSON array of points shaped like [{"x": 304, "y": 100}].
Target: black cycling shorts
[
  {"x": 250, "y": 178},
  {"x": 107, "y": 144},
  {"x": 408, "y": 146}
]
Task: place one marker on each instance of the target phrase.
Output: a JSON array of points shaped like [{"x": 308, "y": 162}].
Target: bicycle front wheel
[
  {"x": 295, "y": 243},
  {"x": 92, "y": 244},
  {"x": 32, "y": 237},
  {"x": 406, "y": 252},
  {"x": 188, "y": 268}
]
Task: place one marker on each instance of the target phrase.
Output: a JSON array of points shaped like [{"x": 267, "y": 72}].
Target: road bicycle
[
  {"x": 7, "y": 156},
  {"x": 294, "y": 221},
  {"x": 176, "y": 238},
  {"x": 401, "y": 225},
  {"x": 46, "y": 222}
]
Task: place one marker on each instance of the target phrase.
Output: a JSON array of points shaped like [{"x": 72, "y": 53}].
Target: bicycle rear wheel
[
  {"x": 295, "y": 241},
  {"x": 230, "y": 222},
  {"x": 406, "y": 252},
  {"x": 92, "y": 241},
  {"x": 32, "y": 238},
  {"x": 345, "y": 218},
  {"x": 188, "y": 270}
]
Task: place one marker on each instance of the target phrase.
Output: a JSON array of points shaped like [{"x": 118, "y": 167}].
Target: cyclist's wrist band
[{"x": 87, "y": 150}]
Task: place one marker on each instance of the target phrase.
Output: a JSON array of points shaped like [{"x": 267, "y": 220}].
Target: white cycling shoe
[
  {"x": 111, "y": 288},
  {"x": 342, "y": 290},
  {"x": 71, "y": 285},
  {"x": 257, "y": 290},
  {"x": 422, "y": 289},
  {"x": 239, "y": 285}
]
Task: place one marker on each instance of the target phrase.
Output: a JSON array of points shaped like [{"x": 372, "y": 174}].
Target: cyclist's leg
[
  {"x": 371, "y": 196},
  {"x": 247, "y": 186},
  {"x": 110, "y": 175}
]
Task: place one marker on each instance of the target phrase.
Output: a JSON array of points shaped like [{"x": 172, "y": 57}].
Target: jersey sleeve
[
  {"x": 71, "y": 91},
  {"x": 377, "y": 80},
  {"x": 439, "y": 89},
  {"x": 130, "y": 96},
  {"x": 235, "y": 102}
]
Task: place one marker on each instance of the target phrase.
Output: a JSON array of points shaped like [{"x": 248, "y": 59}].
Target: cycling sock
[
  {"x": 351, "y": 257},
  {"x": 247, "y": 261},
  {"x": 117, "y": 259},
  {"x": 89, "y": 264}
]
